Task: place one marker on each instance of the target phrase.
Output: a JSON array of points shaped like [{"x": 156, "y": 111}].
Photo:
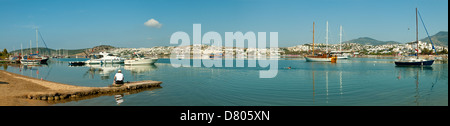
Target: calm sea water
[{"x": 353, "y": 82}]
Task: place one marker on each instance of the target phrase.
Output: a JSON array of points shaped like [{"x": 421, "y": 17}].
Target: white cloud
[{"x": 153, "y": 23}]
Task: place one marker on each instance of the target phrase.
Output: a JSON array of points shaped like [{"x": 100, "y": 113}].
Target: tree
[
  {"x": 426, "y": 51},
  {"x": 444, "y": 51},
  {"x": 4, "y": 53}
]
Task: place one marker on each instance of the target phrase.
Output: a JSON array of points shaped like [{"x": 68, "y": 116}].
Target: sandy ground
[
  {"x": 15, "y": 89},
  {"x": 13, "y": 86}
]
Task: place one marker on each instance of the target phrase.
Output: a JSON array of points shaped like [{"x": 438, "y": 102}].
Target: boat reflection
[
  {"x": 104, "y": 70},
  {"x": 413, "y": 72},
  {"x": 138, "y": 69},
  {"x": 30, "y": 69},
  {"x": 328, "y": 77},
  {"x": 119, "y": 98}
]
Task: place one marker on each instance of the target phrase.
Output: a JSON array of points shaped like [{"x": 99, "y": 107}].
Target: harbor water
[{"x": 352, "y": 82}]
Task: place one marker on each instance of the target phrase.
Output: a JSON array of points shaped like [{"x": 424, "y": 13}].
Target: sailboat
[
  {"x": 322, "y": 57},
  {"x": 411, "y": 61},
  {"x": 34, "y": 58},
  {"x": 340, "y": 53}
]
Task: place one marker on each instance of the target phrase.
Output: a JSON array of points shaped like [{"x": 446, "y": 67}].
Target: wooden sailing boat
[
  {"x": 320, "y": 58},
  {"x": 411, "y": 61},
  {"x": 34, "y": 58}
]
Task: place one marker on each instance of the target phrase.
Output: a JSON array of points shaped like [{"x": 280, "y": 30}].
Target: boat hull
[
  {"x": 105, "y": 61},
  {"x": 140, "y": 61},
  {"x": 417, "y": 63},
  {"x": 77, "y": 63},
  {"x": 342, "y": 57},
  {"x": 33, "y": 61},
  {"x": 312, "y": 59}
]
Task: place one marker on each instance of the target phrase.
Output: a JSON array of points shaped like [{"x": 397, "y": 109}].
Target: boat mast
[
  {"x": 326, "y": 39},
  {"x": 340, "y": 39},
  {"x": 417, "y": 36},
  {"x": 37, "y": 44},
  {"x": 31, "y": 48},
  {"x": 313, "y": 38}
]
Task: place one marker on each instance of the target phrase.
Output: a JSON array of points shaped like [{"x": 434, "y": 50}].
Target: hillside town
[{"x": 353, "y": 48}]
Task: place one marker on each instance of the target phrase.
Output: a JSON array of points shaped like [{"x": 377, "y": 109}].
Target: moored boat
[
  {"x": 411, "y": 61},
  {"x": 318, "y": 58},
  {"x": 34, "y": 59},
  {"x": 138, "y": 60},
  {"x": 105, "y": 58},
  {"x": 77, "y": 63},
  {"x": 321, "y": 57}
]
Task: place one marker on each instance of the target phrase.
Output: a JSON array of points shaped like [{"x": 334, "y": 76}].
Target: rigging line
[
  {"x": 48, "y": 51},
  {"x": 423, "y": 23}
]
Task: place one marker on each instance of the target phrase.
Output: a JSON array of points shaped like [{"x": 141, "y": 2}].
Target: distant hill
[
  {"x": 370, "y": 41},
  {"x": 439, "y": 39},
  {"x": 45, "y": 51}
]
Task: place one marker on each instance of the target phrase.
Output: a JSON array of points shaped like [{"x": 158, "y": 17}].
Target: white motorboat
[
  {"x": 140, "y": 60},
  {"x": 105, "y": 58},
  {"x": 341, "y": 54}
]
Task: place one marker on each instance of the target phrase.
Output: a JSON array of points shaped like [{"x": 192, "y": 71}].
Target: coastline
[{"x": 20, "y": 90}]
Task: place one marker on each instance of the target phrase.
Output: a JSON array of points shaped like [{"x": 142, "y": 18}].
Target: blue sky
[{"x": 75, "y": 24}]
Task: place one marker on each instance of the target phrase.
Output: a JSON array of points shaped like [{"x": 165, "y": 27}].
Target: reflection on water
[
  {"x": 415, "y": 73},
  {"x": 31, "y": 69},
  {"x": 373, "y": 82},
  {"x": 119, "y": 98},
  {"x": 326, "y": 79},
  {"x": 138, "y": 69},
  {"x": 104, "y": 70},
  {"x": 5, "y": 66}
]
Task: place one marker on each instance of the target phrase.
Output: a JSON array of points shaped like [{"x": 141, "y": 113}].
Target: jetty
[
  {"x": 37, "y": 89},
  {"x": 88, "y": 91}
]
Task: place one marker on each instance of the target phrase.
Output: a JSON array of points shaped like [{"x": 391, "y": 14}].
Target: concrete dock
[
  {"x": 89, "y": 91},
  {"x": 20, "y": 86}
]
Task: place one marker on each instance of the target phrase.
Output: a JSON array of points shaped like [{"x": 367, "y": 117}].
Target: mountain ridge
[
  {"x": 370, "y": 41},
  {"x": 439, "y": 39}
]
